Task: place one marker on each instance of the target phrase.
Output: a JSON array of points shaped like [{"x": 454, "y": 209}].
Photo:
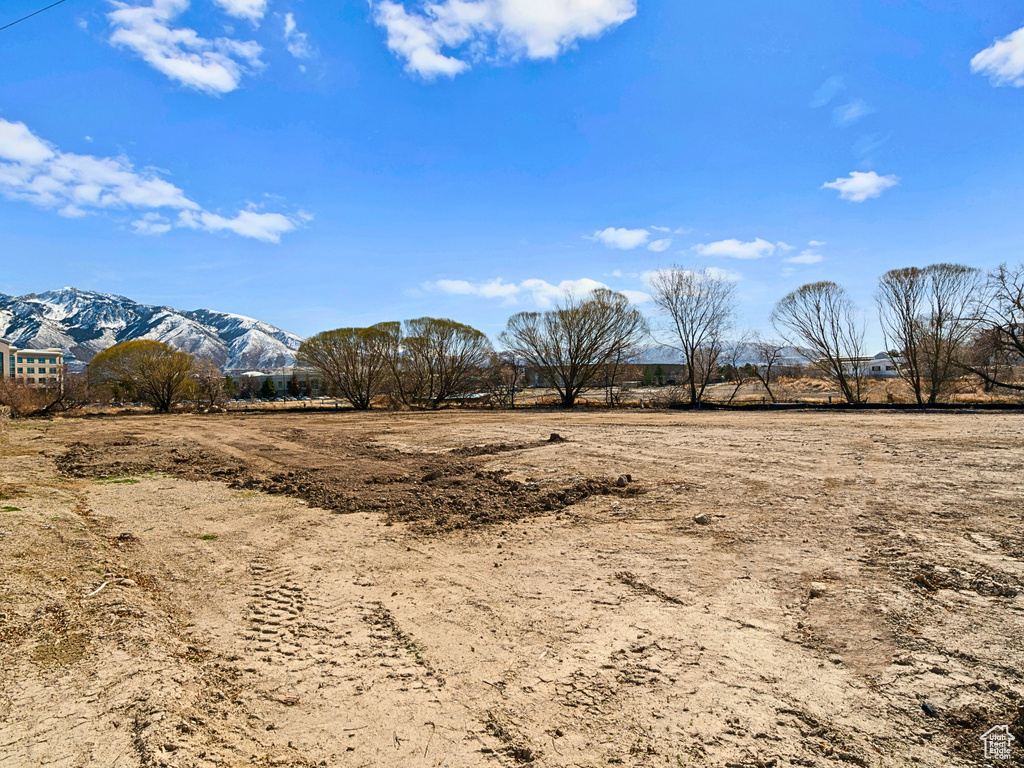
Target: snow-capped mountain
[{"x": 83, "y": 323}]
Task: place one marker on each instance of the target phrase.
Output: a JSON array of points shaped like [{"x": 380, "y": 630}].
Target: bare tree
[
  {"x": 146, "y": 370},
  {"x": 987, "y": 354},
  {"x": 351, "y": 361},
  {"x": 768, "y": 354},
  {"x": 928, "y": 317},
  {"x": 503, "y": 378},
  {"x": 735, "y": 366},
  {"x": 699, "y": 309},
  {"x": 822, "y": 318},
  {"x": 209, "y": 383},
  {"x": 617, "y": 374},
  {"x": 572, "y": 344},
  {"x": 1000, "y": 344},
  {"x": 442, "y": 358}
]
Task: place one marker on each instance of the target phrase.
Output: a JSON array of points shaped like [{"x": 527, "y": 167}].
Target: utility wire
[{"x": 23, "y": 18}]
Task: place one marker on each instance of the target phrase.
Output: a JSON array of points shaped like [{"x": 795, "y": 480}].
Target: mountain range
[{"x": 83, "y": 323}]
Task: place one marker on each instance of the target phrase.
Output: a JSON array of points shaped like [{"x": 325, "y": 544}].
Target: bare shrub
[{"x": 26, "y": 400}]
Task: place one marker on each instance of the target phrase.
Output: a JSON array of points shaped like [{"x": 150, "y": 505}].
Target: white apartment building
[
  {"x": 307, "y": 380},
  {"x": 38, "y": 367}
]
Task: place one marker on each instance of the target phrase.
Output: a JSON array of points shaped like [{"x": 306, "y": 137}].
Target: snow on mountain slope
[{"x": 83, "y": 323}]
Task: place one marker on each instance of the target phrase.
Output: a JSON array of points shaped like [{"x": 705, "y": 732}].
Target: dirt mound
[
  {"x": 434, "y": 492},
  {"x": 494, "y": 448}
]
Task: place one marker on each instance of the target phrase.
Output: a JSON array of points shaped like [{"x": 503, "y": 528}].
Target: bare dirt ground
[{"x": 457, "y": 589}]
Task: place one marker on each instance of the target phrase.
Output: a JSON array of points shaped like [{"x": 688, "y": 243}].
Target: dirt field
[{"x": 460, "y": 589}]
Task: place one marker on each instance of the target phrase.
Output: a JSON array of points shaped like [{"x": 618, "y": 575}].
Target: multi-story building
[
  {"x": 302, "y": 380},
  {"x": 38, "y": 367}
]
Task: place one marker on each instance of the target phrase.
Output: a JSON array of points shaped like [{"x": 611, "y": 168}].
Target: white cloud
[
  {"x": 544, "y": 293},
  {"x": 847, "y": 114},
  {"x": 541, "y": 293},
  {"x": 785, "y": 246},
  {"x": 19, "y": 144},
  {"x": 660, "y": 245},
  {"x": 806, "y": 257},
  {"x": 151, "y": 224},
  {"x": 828, "y": 91},
  {"x": 660, "y": 229},
  {"x": 723, "y": 274},
  {"x": 494, "y": 289},
  {"x": 211, "y": 66},
  {"x": 35, "y": 171},
  {"x": 816, "y": 243},
  {"x": 251, "y": 10},
  {"x": 737, "y": 249},
  {"x": 1003, "y": 61},
  {"x": 860, "y": 186},
  {"x": 623, "y": 239},
  {"x": 267, "y": 227},
  {"x": 415, "y": 39},
  {"x": 73, "y": 183},
  {"x": 497, "y": 30},
  {"x": 636, "y": 297},
  {"x": 297, "y": 42}
]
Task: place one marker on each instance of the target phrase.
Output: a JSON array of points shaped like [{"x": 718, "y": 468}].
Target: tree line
[
  {"x": 141, "y": 370},
  {"x": 940, "y": 323}
]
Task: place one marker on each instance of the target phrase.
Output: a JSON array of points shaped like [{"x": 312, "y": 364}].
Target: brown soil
[
  {"x": 463, "y": 589},
  {"x": 436, "y": 491}
]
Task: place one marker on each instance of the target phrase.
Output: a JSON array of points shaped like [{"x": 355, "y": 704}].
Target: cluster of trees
[
  {"x": 142, "y": 370},
  {"x": 428, "y": 361},
  {"x": 416, "y": 362},
  {"x": 942, "y": 323}
]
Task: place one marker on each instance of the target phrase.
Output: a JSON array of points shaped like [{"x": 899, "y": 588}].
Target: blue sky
[{"x": 325, "y": 164}]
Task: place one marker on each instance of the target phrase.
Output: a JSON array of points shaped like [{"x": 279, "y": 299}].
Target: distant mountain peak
[{"x": 84, "y": 323}]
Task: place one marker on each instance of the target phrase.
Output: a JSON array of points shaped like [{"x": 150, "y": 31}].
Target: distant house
[
  {"x": 881, "y": 366},
  {"x": 36, "y": 367}
]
